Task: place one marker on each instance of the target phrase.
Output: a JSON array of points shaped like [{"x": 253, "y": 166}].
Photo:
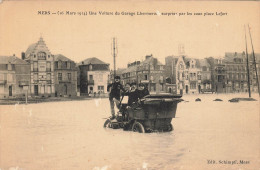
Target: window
[
  {"x": 2, "y": 77},
  {"x": 90, "y": 77},
  {"x": 100, "y": 89},
  {"x": 35, "y": 66},
  {"x": 146, "y": 77},
  {"x": 59, "y": 64},
  {"x": 48, "y": 66},
  {"x": 68, "y": 65},
  {"x": 9, "y": 67},
  {"x": 35, "y": 76},
  {"x": 69, "y": 76},
  {"x": 41, "y": 56},
  {"x": 90, "y": 67},
  {"x": 193, "y": 86},
  {"x": 48, "y": 76},
  {"x": 60, "y": 76}
]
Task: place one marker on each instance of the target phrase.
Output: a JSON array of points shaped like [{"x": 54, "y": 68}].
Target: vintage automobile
[{"x": 153, "y": 113}]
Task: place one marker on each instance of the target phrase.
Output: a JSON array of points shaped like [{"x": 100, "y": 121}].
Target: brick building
[
  {"x": 149, "y": 72},
  {"x": 65, "y": 76}
]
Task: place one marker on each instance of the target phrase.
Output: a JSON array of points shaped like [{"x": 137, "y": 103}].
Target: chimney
[
  {"x": 23, "y": 55},
  {"x": 128, "y": 65},
  {"x": 148, "y": 56}
]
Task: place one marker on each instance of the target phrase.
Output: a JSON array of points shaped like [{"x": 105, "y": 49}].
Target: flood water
[{"x": 70, "y": 135}]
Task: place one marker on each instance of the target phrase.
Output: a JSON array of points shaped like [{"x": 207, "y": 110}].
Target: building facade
[
  {"x": 237, "y": 77},
  {"x": 65, "y": 76},
  {"x": 14, "y": 77},
  {"x": 94, "y": 76},
  {"x": 42, "y": 69},
  {"x": 149, "y": 72}
]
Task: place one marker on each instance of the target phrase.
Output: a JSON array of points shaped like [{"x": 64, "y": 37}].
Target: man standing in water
[{"x": 114, "y": 95}]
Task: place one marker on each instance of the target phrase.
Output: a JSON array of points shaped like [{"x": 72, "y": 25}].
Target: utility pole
[
  {"x": 114, "y": 55},
  {"x": 247, "y": 67},
  {"x": 254, "y": 61}
]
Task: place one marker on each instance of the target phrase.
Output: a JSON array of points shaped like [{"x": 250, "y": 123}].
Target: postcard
[{"x": 133, "y": 85}]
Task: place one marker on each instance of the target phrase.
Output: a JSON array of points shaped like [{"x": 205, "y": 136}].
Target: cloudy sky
[{"x": 83, "y": 36}]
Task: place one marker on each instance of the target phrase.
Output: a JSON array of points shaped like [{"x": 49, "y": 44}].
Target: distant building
[
  {"x": 42, "y": 69},
  {"x": 204, "y": 76},
  {"x": 237, "y": 78},
  {"x": 94, "y": 76},
  {"x": 119, "y": 72},
  {"x": 188, "y": 74},
  {"x": 14, "y": 77},
  {"x": 149, "y": 72},
  {"x": 218, "y": 74},
  {"x": 65, "y": 76}
]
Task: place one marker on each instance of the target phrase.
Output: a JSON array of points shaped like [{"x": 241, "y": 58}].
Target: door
[
  {"x": 199, "y": 88},
  {"x": 36, "y": 90},
  {"x": 187, "y": 89},
  {"x": 10, "y": 91},
  {"x": 65, "y": 89}
]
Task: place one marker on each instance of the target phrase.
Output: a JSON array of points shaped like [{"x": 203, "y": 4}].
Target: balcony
[
  {"x": 90, "y": 82},
  {"x": 48, "y": 81},
  {"x": 23, "y": 83},
  {"x": 2, "y": 82}
]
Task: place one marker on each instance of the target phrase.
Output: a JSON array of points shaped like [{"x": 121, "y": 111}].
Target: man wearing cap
[
  {"x": 114, "y": 95},
  {"x": 142, "y": 91}
]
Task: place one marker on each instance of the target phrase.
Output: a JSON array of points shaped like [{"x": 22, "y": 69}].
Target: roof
[
  {"x": 11, "y": 60},
  {"x": 31, "y": 48},
  {"x": 61, "y": 57},
  {"x": 204, "y": 62},
  {"x": 92, "y": 60},
  {"x": 150, "y": 60},
  {"x": 130, "y": 69},
  {"x": 34, "y": 46}
]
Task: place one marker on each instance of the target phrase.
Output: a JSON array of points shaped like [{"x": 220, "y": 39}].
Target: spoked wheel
[
  {"x": 108, "y": 124},
  {"x": 138, "y": 127}
]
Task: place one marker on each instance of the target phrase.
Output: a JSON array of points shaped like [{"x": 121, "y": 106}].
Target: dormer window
[
  {"x": 41, "y": 55},
  {"x": 59, "y": 64}
]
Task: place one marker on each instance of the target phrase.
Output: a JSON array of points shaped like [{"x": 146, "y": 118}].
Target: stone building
[
  {"x": 65, "y": 76},
  {"x": 188, "y": 74},
  {"x": 14, "y": 77},
  {"x": 149, "y": 72},
  {"x": 94, "y": 76},
  {"x": 218, "y": 74},
  {"x": 236, "y": 72},
  {"x": 42, "y": 69}
]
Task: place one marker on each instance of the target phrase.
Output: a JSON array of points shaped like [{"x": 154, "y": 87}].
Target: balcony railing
[
  {"x": 90, "y": 82},
  {"x": 23, "y": 83},
  {"x": 2, "y": 82}
]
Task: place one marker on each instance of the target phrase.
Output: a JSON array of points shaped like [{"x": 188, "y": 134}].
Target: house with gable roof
[
  {"x": 14, "y": 77},
  {"x": 93, "y": 76},
  {"x": 65, "y": 76},
  {"x": 42, "y": 69}
]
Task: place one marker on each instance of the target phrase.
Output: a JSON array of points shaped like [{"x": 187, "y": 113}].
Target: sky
[{"x": 83, "y": 36}]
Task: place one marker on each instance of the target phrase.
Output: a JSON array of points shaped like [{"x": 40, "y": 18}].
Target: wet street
[{"x": 70, "y": 135}]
